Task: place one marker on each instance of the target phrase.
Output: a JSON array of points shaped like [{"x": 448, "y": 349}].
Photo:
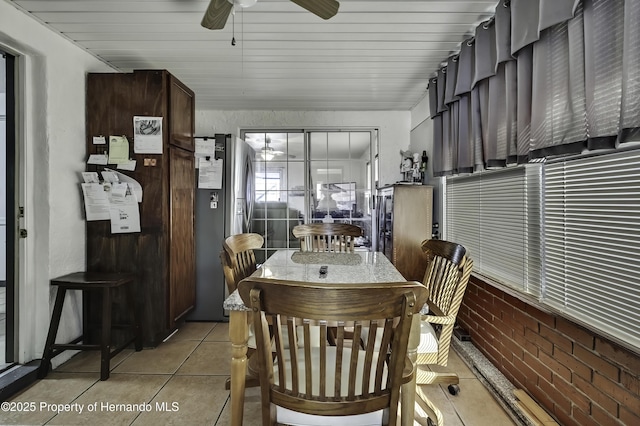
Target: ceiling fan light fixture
[
  {"x": 267, "y": 155},
  {"x": 243, "y": 3}
]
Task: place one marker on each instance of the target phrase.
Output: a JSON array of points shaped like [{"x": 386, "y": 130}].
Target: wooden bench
[{"x": 92, "y": 281}]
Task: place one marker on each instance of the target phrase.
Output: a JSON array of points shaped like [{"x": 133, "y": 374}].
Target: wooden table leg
[
  {"x": 238, "y": 334},
  {"x": 408, "y": 390}
]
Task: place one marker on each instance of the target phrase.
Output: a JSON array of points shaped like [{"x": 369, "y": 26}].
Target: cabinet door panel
[
  {"x": 181, "y": 115},
  {"x": 181, "y": 233}
]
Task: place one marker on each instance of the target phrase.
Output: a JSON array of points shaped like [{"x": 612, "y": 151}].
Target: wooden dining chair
[
  {"x": 317, "y": 383},
  {"x": 331, "y": 237},
  {"x": 446, "y": 277},
  {"x": 238, "y": 259}
]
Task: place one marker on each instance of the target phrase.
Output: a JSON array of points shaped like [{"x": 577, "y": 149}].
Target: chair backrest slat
[
  {"x": 315, "y": 377},
  {"x": 447, "y": 275},
  {"x": 238, "y": 259},
  {"x": 327, "y": 237}
]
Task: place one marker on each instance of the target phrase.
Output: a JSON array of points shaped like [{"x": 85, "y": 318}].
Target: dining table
[{"x": 294, "y": 265}]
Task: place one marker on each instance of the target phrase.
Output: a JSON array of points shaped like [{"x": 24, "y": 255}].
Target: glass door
[
  {"x": 311, "y": 176},
  {"x": 339, "y": 181},
  {"x": 279, "y": 187},
  {"x": 7, "y": 207}
]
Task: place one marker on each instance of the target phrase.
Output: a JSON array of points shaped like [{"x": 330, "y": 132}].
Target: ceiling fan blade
[
  {"x": 217, "y": 14},
  {"x": 322, "y": 8}
]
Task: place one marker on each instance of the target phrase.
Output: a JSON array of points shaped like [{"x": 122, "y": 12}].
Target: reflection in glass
[{"x": 311, "y": 177}]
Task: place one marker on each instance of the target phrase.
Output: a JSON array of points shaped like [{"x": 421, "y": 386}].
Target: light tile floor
[{"x": 182, "y": 382}]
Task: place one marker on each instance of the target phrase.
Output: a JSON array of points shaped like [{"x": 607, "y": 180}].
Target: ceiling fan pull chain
[{"x": 233, "y": 27}]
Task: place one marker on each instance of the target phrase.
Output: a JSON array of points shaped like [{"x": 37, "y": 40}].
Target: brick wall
[{"x": 576, "y": 375}]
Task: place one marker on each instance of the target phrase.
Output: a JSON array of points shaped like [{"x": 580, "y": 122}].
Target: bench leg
[
  {"x": 51, "y": 335},
  {"x": 105, "y": 346}
]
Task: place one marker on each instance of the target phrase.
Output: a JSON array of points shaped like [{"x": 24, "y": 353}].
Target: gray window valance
[{"x": 540, "y": 78}]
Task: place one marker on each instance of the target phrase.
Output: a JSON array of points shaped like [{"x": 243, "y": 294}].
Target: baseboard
[{"x": 17, "y": 378}]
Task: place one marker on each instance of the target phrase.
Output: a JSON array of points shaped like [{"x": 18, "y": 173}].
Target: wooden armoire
[{"x": 163, "y": 254}]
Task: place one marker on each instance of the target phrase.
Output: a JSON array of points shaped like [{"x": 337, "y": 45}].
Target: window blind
[
  {"x": 591, "y": 237},
  {"x": 495, "y": 216}
]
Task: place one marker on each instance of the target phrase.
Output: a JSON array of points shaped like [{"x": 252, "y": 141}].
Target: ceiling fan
[
  {"x": 216, "y": 15},
  {"x": 268, "y": 153}
]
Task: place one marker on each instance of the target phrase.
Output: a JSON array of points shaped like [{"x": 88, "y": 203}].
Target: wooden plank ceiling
[{"x": 373, "y": 55}]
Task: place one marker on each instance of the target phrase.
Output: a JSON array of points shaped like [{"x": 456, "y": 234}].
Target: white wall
[
  {"x": 394, "y": 128},
  {"x": 51, "y": 135},
  {"x": 422, "y": 139}
]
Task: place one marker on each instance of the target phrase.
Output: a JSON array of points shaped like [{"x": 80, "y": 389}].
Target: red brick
[
  {"x": 542, "y": 398},
  {"x": 560, "y": 401},
  {"x": 515, "y": 302},
  {"x": 567, "y": 420},
  {"x": 492, "y": 331},
  {"x": 476, "y": 282},
  {"x": 630, "y": 382},
  {"x": 514, "y": 349},
  {"x": 630, "y": 415},
  {"x": 485, "y": 297},
  {"x": 615, "y": 391},
  {"x": 618, "y": 355},
  {"x": 481, "y": 313},
  {"x": 496, "y": 292},
  {"x": 515, "y": 376},
  {"x": 584, "y": 419},
  {"x": 573, "y": 364},
  {"x": 541, "y": 369},
  {"x": 526, "y": 320},
  {"x": 477, "y": 319},
  {"x": 472, "y": 287},
  {"x": 493, "y": 354},
  {"x": 538, "y": 340},
  {"x": 578, "y": 398},
  {"x": 542, "y": 317},
  {"x": 603, "y": 417},
  {"x": 558, "y": 340},
  {"x": 503, "y": 307},
  {"x": 504, "y": 328},
  {"x": 530, "y": 375},
  {"x": 574, "y": 332},
  {"x": 597, "y": 363},
  {"x": 516, "y": 326},
  {"x": 526, "y": 344},
  {"x": 554, "y": 365},
  {"x": 595, "y": 394}
]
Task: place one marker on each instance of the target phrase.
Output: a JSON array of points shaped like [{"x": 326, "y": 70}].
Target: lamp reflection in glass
[{"x": 266, "y": 154}]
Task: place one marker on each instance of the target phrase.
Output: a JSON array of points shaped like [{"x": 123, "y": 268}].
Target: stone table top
[{"x": 293, "y": 265}]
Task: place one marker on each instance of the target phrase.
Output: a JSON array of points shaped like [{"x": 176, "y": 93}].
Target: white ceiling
[{"x": 373, "y": 55}]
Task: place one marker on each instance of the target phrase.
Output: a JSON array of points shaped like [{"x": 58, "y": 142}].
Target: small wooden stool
[{"x": 91, "y": 281}]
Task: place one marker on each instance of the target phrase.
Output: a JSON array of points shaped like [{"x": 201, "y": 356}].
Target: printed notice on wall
[
  {"x": 147, "y": 135},
  {"x": 210, "y": 173},
  {"x": 118, "y": 149},
  {"x": 124, "y": 212},
  {"x": 96, "y": 201}
]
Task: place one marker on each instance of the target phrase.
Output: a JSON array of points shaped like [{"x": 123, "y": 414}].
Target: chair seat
[
  {"x": 295, "y": 418},
  {"x": 428, "y": 339}
]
